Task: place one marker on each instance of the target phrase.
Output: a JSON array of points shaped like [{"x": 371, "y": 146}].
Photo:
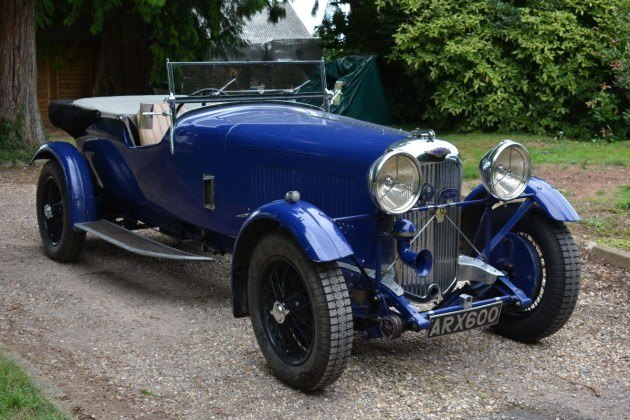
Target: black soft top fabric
[{"x": 70, "y": 118}]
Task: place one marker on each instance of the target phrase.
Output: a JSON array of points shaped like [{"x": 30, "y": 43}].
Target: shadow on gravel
[{"x": 182, "y": 281}]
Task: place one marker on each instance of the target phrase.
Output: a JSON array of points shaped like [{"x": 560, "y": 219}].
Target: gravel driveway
[{"x": 126, "y": 336}]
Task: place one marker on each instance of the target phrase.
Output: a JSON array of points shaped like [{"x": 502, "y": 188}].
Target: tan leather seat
[{"x": 152, "y": 128}]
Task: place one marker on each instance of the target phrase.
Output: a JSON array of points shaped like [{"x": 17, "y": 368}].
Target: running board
[{"x": 137, "y": 244}]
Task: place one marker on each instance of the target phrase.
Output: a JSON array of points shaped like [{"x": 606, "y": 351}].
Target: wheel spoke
[
  {"x": 304, "y": 336},
  {"x": 274, "y": 286},
  {"x": 301, "y": 319},
  {"x": 58, "y": 227},
  {"x": 283, "y": 283},
  {"x": 49, "y": 192},
  {"x": 296, "y": 295}
]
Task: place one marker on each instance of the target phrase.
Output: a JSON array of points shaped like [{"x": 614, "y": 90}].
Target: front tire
[
  {"x": 61, "y": 242},
  {"x": 555, "y": 259},
  {"x": 300, "y": 311}
]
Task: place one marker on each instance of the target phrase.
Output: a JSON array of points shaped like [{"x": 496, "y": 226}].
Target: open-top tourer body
[{"x": 334, "y": 224}]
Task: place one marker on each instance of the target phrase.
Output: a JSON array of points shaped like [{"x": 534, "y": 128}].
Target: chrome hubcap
[
  {"x": 279, "y": 312},
  {"x": 48, "y": 211}
]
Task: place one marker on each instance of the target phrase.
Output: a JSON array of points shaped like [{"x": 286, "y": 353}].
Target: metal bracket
[
  {"x": 522, "y": 300},
  {"x": 466, "y": 301},
  {"x": 149, "y": 114},
  {"x": 408, "y": 312},
  {"x": 472, "y": 269},
  {"x": 388, "y": 281},
  {"x": 493, "y": 241}
]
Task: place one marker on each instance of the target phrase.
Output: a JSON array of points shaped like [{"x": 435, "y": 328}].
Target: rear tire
[
  {"x": 300, "y": 311},
  {"x": 556, "y": 290},
  {"x": 61, "y": 242}
]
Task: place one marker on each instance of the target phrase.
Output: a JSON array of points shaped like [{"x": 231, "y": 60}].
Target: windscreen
[{"x": 304, "y": 80}]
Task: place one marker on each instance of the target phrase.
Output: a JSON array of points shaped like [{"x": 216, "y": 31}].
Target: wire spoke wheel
[
  {"x": 300, "y": 311},
  {"x": 53, "y": 211},
  {"x": 541, "y": 258},
  {"x": 286, "y": 309},
  {"x": 61, "y": 242}
]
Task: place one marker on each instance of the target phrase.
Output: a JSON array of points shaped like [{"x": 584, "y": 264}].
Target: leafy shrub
[
  {"x": 12, "y": 133},
  {"x": 517, "y": 65}
]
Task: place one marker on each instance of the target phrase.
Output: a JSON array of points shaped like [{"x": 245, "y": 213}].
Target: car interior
[{"x": 144, "y": 130}]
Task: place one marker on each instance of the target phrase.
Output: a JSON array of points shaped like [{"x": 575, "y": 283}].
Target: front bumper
[{"x": 391, "y": 301}]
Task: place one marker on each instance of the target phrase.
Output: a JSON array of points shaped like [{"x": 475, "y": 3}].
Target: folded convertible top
[{"x": 71, "y": 118}]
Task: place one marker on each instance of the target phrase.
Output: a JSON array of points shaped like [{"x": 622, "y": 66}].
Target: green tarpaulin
[{"x": 362, "y": 96}]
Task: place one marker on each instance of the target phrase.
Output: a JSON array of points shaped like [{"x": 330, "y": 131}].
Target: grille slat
[{"x": 440, "y": 238}]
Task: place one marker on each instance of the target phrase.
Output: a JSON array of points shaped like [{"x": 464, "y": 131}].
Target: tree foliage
[
  {"x": 525, "y": 65},
  {"x": 367, "y": 29},
  {"x": 183, "y": 30}
]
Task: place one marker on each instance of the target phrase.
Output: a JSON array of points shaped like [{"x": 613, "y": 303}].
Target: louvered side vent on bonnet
[{"x": 332, "y": 193}]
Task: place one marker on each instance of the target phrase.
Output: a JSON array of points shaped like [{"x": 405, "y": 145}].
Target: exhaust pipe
[{"x": 422, "y": 261}]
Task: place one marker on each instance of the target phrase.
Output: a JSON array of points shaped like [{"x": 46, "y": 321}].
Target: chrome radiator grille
[{"x": 440, "y": 238}]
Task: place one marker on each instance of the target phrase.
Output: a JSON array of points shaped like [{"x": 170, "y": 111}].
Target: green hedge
[{"x": 529, "y": 65}]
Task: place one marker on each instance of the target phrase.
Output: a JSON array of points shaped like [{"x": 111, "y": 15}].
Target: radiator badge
[
  {"x": 449, "y": 195},
  {"x": 440, "y": 214},
  {"x": 438, "y": 151}
]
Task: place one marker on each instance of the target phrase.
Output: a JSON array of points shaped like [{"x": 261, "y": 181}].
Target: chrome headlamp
[
  {"x": 506, "y": 170},
  {"x": 395, "y": 182}
]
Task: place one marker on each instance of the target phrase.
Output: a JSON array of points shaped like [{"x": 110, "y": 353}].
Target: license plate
[{"x": 463, "y": 320}]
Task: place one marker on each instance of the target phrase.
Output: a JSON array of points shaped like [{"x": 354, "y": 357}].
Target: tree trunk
[
  {"x": 124, "y": 56},
  {"x": 20, "y": 122}
]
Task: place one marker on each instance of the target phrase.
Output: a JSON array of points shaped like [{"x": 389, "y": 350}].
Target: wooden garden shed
[{"x": 69, "y": 74}]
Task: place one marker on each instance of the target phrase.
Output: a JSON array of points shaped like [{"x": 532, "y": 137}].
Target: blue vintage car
[{"x": 335, "y": 225}]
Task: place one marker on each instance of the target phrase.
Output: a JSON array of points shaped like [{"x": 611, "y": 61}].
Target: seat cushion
[{"x": 152, "y": 128}]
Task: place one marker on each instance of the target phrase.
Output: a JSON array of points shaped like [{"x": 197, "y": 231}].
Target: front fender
[
  {"x": 546, "y": 196},
  {"x": 78, "y": 179},
  {"x": 316, "y": 233}
]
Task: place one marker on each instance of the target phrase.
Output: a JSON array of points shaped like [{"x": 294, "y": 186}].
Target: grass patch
[
  {"x": 147, "y": 393},
  {"x": 19, "y": 398},
  {"x": 622, "y": 200},
  {"x": 11, "y": 154},
  {"x": 599, "y": 223},
  {"x": 608, "y": 218},
  {"x": 16, "y": 156},
  {"x": 619, "y": 243}
]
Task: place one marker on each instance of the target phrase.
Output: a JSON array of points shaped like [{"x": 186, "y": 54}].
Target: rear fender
[
  {"x": 546, "y": 196},
  {"x": 316, "y": 233},
  {"x": 78, "y": 179}
]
